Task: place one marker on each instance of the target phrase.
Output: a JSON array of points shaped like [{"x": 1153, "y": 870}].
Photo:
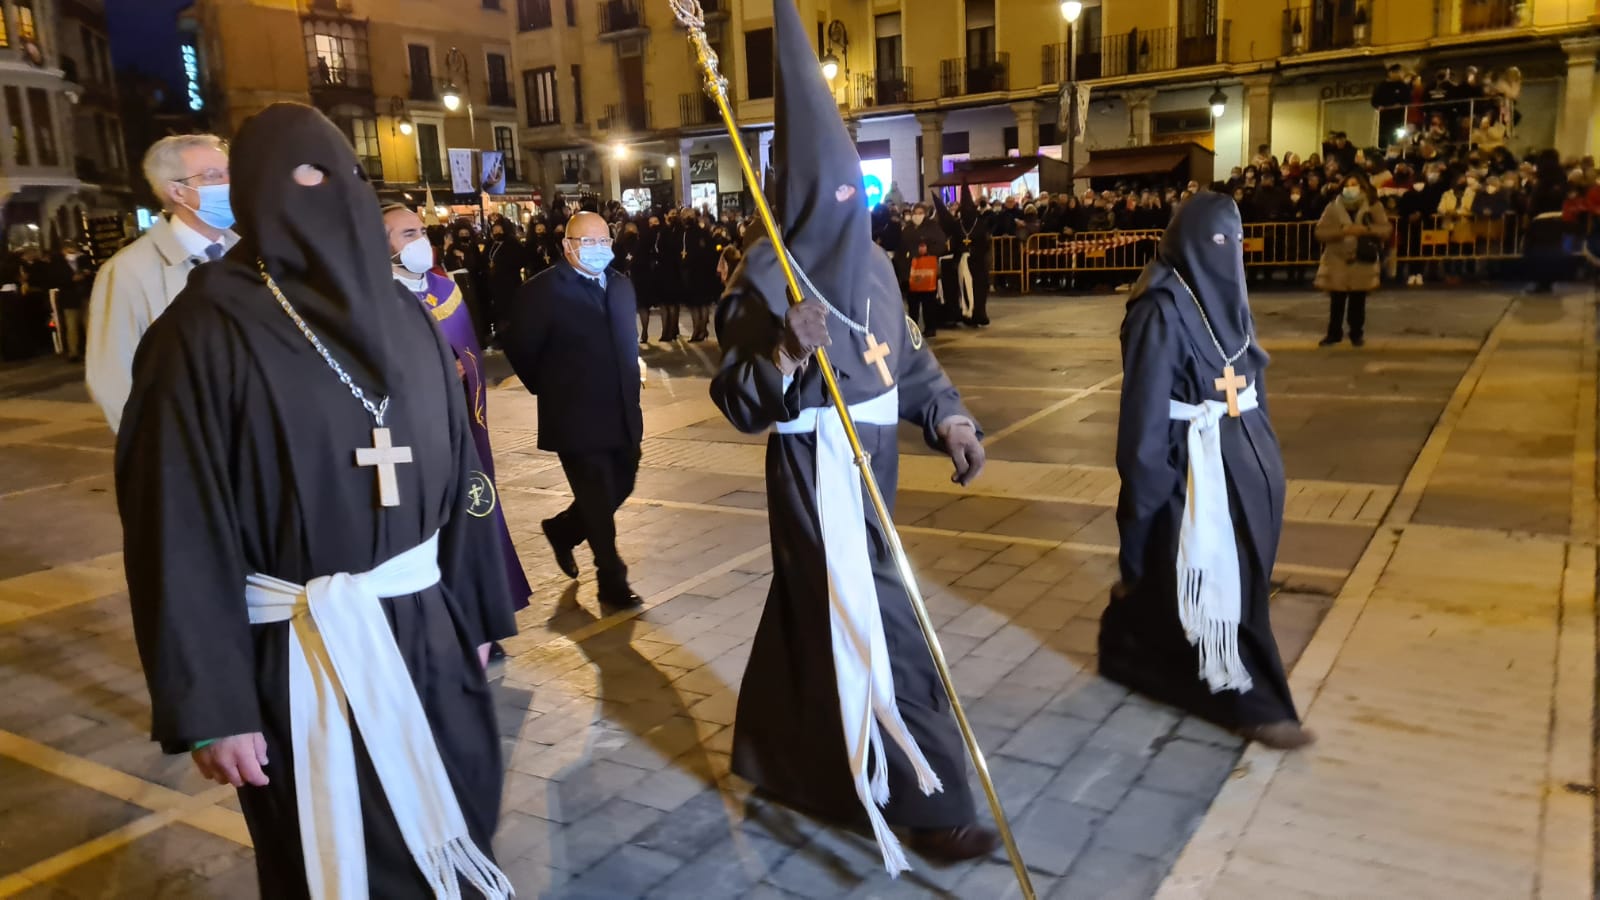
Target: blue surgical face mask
[
  {"x": 595, "y": 259},
  {"x": 214, "y": 208}
]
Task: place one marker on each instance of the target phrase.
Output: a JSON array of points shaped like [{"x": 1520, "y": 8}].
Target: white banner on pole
[{"x": 461, "y": 172}]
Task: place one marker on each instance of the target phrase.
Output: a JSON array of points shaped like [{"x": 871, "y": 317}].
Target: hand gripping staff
[{"x": 689, "y": 14}]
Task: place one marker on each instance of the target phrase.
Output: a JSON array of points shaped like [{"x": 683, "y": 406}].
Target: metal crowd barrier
[{"x": 1086, "y": 259}]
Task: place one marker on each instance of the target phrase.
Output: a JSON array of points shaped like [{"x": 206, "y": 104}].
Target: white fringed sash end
[
  {"x": 1209, "y": 594},
  {"x": 867, "y": 705}
]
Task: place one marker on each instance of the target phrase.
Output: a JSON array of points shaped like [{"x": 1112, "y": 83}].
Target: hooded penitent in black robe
[
  {"x": 236, "y": 456},
  {"x": 969, "y": 232},
  {"x": 788, "y": 736},
  {"x": 1168, "y": 355}
]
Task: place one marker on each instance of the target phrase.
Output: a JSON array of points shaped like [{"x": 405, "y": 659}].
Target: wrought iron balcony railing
[{"x": 975, "y": 75}]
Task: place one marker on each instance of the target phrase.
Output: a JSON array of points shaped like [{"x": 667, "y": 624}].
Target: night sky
[{"x": 144, "y": 36}]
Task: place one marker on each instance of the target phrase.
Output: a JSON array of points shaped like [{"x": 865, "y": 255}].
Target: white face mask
[{"x": 417, "y": 256}]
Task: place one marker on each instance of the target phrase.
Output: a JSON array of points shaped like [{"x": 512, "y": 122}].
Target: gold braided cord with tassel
[{"x": 689, "y": 14}]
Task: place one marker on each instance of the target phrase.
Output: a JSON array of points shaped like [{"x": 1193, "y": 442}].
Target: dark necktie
[{"x": 213, "y": 253}]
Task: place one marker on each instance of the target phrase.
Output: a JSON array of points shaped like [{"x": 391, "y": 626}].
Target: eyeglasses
[
  {"x": 207, "y": 177},
  {"x": 592, "y": 241}
]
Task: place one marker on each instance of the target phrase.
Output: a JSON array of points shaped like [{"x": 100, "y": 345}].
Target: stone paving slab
[
  {"x": 1454, "y": 684},
  {"x": 617, "y": 730}
]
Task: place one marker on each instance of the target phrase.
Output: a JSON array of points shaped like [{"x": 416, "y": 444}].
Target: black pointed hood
[
  {"x": 1204, "y": 244},
  {"x": 815, "y": 158}
]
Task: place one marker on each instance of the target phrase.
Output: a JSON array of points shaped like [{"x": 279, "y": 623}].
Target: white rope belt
[
  {"x": 343, "y": 662},
  {"x": 860, "y": 651},
  {"x": 1209, "y": 600}
]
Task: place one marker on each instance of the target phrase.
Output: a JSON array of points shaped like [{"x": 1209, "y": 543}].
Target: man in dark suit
[{"x": 573, "y": 344}]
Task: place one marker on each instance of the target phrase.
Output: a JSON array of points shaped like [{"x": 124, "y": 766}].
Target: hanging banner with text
[{"x": 461, "y": 172}]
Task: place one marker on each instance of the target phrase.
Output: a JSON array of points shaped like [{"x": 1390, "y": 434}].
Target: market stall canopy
[
  {"x": 1005, "y": 170},
  {"x": 1193, "y": 160}
]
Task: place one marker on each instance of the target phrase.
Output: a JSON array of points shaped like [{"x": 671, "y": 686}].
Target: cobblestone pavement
[{"x": 617, "y": 729}]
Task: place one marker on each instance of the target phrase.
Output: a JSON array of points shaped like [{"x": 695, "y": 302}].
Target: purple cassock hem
[{"x": 443, "y": 298}]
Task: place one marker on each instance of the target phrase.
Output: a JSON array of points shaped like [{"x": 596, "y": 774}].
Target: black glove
[
  {"x": 805, "y": 328},
  {"x": 966, "y": 451}
]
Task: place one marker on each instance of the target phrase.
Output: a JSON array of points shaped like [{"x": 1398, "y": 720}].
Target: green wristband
[{"x": 201, "y": 745}]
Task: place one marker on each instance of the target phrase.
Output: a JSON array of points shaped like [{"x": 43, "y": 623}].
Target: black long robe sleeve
[
  {"x": 183, "y": 555},
  {"x": 1145, "y": 466}
]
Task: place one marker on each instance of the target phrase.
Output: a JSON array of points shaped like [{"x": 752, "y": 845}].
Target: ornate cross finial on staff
[{"x": 692, "y": 17}]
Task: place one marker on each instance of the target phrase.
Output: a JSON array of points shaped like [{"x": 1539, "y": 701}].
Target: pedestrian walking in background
[{"x": 573, "y": 345}]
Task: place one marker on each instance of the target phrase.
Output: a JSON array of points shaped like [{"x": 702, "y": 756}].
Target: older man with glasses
[
  {"x": 189, "y": 173},
  {"x": 573, "y": 344}
]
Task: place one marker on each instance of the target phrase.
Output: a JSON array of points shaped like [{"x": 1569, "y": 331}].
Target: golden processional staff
[{"x": 689, "y": 14}]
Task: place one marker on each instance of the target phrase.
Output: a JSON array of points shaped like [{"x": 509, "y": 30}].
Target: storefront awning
[
  {"x": 1153, "y": 161},
  {"x": 980, "y": 172}
]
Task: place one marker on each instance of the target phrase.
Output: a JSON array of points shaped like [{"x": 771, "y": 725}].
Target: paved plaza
[{"x": 1434, "y": 600}]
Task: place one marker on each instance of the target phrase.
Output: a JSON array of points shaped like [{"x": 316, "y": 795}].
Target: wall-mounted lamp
[{"x": 838, "y": 44}]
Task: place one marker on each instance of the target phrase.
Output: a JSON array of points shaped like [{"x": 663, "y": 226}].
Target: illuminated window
[
  {"x": 43, "y": 126},
  {"x": 25, "y": 27},
  {"x": 19, "y": 131}
]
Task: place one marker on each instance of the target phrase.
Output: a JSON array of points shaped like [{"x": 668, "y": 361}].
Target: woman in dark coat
[{"x": 1199, "y": 529}]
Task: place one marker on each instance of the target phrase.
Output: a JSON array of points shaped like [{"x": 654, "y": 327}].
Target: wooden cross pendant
[
  {"x": 876, "y": 354},
  {"x": 1230, "y": 384},
  {"x": 384, "y": 456}
]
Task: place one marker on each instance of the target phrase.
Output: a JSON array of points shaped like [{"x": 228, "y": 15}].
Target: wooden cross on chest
[
  {"x": 877, "y": 354},
  {"x": 1231, "y": 384},
  {"x": 384, "y": 456}
]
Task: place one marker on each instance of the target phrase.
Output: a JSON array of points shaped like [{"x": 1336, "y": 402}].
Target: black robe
[
  {"x": 236, "y": 457},
  {"x": 969, "y": 232},
  {"x": 788, "y": 737},
  {"x": 1167, "y": 354}
]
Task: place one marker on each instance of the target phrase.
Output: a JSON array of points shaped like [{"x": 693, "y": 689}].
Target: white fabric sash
[
  {"x": 343, "y": 662},
  {"x": 964, "y": 277},
  {"x": 860, "y": 651},
  {"x": 1208, "y": 553}
]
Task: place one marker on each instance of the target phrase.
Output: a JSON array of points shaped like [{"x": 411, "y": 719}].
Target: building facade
[
  {"x": 603, "y": 96},
  {"x": 38, "y": 175},
  {"x": 98, "y": 145},
  {"x": 615, "y": 100},
  {"x": 383, "y": 70}
]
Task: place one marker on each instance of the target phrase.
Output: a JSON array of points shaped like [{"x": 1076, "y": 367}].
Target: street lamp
[
  {"x": 454, "y": 98},
  {"x": 840, "y": 38},
  {"x": 1071, "y": 10},
  {"x": 1218, "y": 101},
  {"x": 830, "y": 66},
  {"x": 400, "y": 117},
  {"x": 619, "y": 151}
]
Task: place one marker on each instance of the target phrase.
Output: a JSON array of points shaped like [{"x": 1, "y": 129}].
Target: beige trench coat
[{"x": 1339, "y": 271}]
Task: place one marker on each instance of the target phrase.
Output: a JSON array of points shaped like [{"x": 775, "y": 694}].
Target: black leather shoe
[
  {"x": 627, "y": 600},
  {"x": 565, "y": 561},
  {"x": 1330, "y": 342},
  {"x": 950, "y": 845}
]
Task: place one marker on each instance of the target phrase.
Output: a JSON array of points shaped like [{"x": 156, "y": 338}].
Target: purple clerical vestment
[{"x": 443, "y": 298}]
